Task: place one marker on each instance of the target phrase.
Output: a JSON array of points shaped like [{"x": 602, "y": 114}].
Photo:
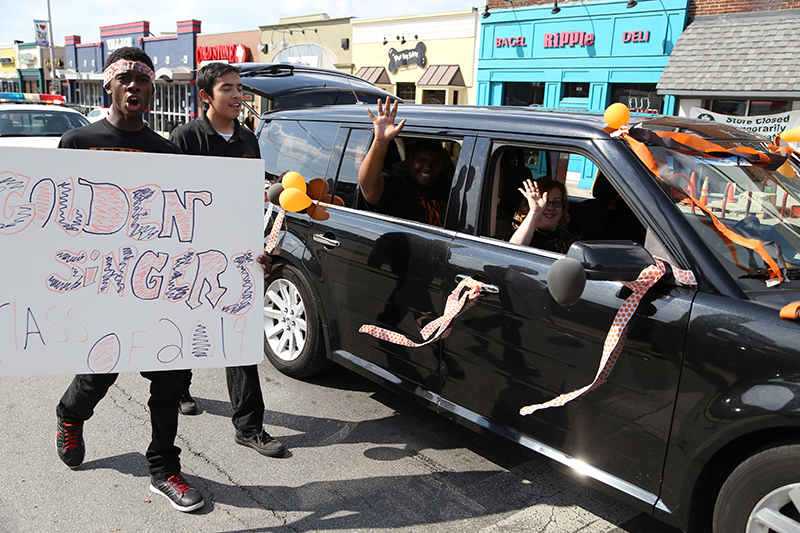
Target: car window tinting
[{"x": 303, "y": 147}]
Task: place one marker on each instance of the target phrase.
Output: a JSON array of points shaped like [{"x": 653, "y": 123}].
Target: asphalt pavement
[{"x": 360, "y": 459}]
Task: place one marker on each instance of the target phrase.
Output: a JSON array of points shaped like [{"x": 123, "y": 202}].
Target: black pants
[
  {"x": 244, "y": 391},
  {"x": 163, "y": 457}
]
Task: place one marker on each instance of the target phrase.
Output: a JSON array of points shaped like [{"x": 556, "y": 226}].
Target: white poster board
[{"x": 116, "y": 262}]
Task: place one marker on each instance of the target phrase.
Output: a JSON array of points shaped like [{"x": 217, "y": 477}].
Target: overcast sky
[{"x": 85, "y": 17}]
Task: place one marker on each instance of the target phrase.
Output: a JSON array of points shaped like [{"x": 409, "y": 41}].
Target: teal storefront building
[{"x": 586, "y": 56}]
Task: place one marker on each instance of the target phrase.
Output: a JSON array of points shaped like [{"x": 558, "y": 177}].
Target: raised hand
[
  {"x": 383, "y": 124},
  {"x": 536, "y": 201}
]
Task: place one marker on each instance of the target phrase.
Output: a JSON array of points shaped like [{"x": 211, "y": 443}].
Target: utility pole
[{"x": 55, "y": 82}]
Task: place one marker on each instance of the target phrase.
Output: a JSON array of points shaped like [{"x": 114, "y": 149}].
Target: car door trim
[{"x": 511, "y": 434}]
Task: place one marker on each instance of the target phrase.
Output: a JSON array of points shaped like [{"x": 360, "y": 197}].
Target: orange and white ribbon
[
  {"x": 272, "y": 238},
  {"x": 459, "y": 301},
  {"x": 126, "y": 65},
  {"x": 615, "y": 339}
]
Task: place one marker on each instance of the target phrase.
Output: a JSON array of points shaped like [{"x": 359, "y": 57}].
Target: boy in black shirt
[
  {"x": 220, "y": 134},
  {"x": 129, "y": 78},
  {"x": 418, "y": 194}
]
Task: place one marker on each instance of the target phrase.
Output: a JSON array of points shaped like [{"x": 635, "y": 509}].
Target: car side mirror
[
  {"x": 595, "y": 260},
  {"x": 611, "y": 260}
]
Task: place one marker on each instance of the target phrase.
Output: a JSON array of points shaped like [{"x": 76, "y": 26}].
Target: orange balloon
[
  {"x": 792, "y": 135},
  {"x": 294, "y": 200},
  {"x": 318, "y": 212},
  {"x": 617, "y": 115},
  {"x": 335, "y": 200},
  {"x": 317, "y": 188},
  {"x": 293, "y": 180},
  {"x": 786, "y": 169}
]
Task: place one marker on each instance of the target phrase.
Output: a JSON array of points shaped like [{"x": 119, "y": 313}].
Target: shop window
[
  {"x": 433, "y": 97},
  {"x": 639, "y": 97},
  {"x": 767, "y": 107},
  {"x": 517, "y": 93},
  {"x": 749, "y": 108},
  {"x": 455, "y": 97},
  {"x": 576, "y": 90},
  {"x": 171, "y": 106},
  {"x": 730, "y": 107},
  {"x": 407, "y": 91}
]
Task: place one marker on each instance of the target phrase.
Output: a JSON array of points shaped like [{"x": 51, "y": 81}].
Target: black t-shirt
[
  {"x": 200, "y": 138},
  {"x": 555, "y": 241},
  {"x": 402, "y": 198},
  {"x": 102, "y": 135}
]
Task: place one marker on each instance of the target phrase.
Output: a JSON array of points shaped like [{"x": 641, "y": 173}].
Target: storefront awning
[
  {"x": 177, "y": 73},
  {"x": 376, "y": 75},
  {"x": 442, "y": 76},
  {"x": 745, "y": 56}
]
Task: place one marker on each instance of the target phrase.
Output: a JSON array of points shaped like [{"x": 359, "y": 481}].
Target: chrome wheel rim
[
  {"x": 778, "y": 511},
  {"x": 285, "y": 326}
]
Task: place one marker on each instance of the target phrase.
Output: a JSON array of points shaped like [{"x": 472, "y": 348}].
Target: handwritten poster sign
[{"x": 116, "y": 262}]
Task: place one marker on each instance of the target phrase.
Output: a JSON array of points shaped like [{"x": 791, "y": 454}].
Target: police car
[{"x": 35, "y": 120}]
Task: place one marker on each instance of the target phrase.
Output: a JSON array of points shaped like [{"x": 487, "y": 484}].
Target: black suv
[{"x": 697, "y": 422}]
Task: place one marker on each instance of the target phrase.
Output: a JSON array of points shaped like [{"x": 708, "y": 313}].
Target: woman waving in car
[{"x": 541, "y": 219}]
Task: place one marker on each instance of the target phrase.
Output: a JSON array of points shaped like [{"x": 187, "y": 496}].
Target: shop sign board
[{"x": 766, "y": 125}]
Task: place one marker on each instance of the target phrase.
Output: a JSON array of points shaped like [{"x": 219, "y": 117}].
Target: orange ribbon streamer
[
  {"x": 615, "y": 339},
  {"x": 459, "y": 301},
  {"x": 272, "y": 239},
  {"x": 707, "y": 148}
]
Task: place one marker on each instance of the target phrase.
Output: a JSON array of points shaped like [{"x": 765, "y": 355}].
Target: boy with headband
[{"x": 129, "y": 79}]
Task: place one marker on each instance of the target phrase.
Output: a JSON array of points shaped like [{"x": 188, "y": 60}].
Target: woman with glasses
[{"x": 542, "y": 217}]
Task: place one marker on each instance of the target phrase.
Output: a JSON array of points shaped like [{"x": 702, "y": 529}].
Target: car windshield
[
  {"x": 38, "y": 123},
  {"x": 747, "y": 214}
]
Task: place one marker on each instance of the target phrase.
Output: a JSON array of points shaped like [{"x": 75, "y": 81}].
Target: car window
[
  {"x": 303, "y": 147},
  {"x": 397, "y": 166},
  {"x": 358, "y": 144},
  {"x": 589, "y": 213},
  {"x": 759, "y": 205},
  {"x": 27, "y": 122}
]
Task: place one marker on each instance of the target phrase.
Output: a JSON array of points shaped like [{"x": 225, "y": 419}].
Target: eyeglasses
[{"x": 558, "y": 204}]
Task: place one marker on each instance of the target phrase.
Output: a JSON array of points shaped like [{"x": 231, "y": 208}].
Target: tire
[
  {"x": 762, "y": 495},
  {"x": 293, "y": 340}
]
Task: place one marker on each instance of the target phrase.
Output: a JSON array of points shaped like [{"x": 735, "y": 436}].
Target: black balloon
[
  {"x": 274, "y": 194},
  {"x": 566, "y": 280}
]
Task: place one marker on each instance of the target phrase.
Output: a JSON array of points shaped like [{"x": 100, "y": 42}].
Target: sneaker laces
[
  {"x": 179, "y": 483},
  {"x": 72, "y": 436}
]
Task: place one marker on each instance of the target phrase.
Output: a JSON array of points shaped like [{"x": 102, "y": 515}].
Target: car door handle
[
  {"x": 493, "y": 289},
  {"x": 325, "y": 241}
]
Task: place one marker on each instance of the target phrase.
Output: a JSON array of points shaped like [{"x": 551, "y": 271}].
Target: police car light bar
[{"x": 31, "y": 98}]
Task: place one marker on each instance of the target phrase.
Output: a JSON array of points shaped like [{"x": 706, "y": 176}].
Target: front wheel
[
  {"x": 762, "y": 495},
  {"x": 292, "y": 328}
]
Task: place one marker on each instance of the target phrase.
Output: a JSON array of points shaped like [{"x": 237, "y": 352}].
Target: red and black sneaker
[
  {"x": 69, "y": 442},
  {"x": 174, "y": 488}
]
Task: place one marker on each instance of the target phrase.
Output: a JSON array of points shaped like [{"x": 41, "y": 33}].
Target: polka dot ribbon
[
  {"x": 272, "y": 239},
  {"x": 459, "y": 301},
  {"x": 615, "y": 339}
]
